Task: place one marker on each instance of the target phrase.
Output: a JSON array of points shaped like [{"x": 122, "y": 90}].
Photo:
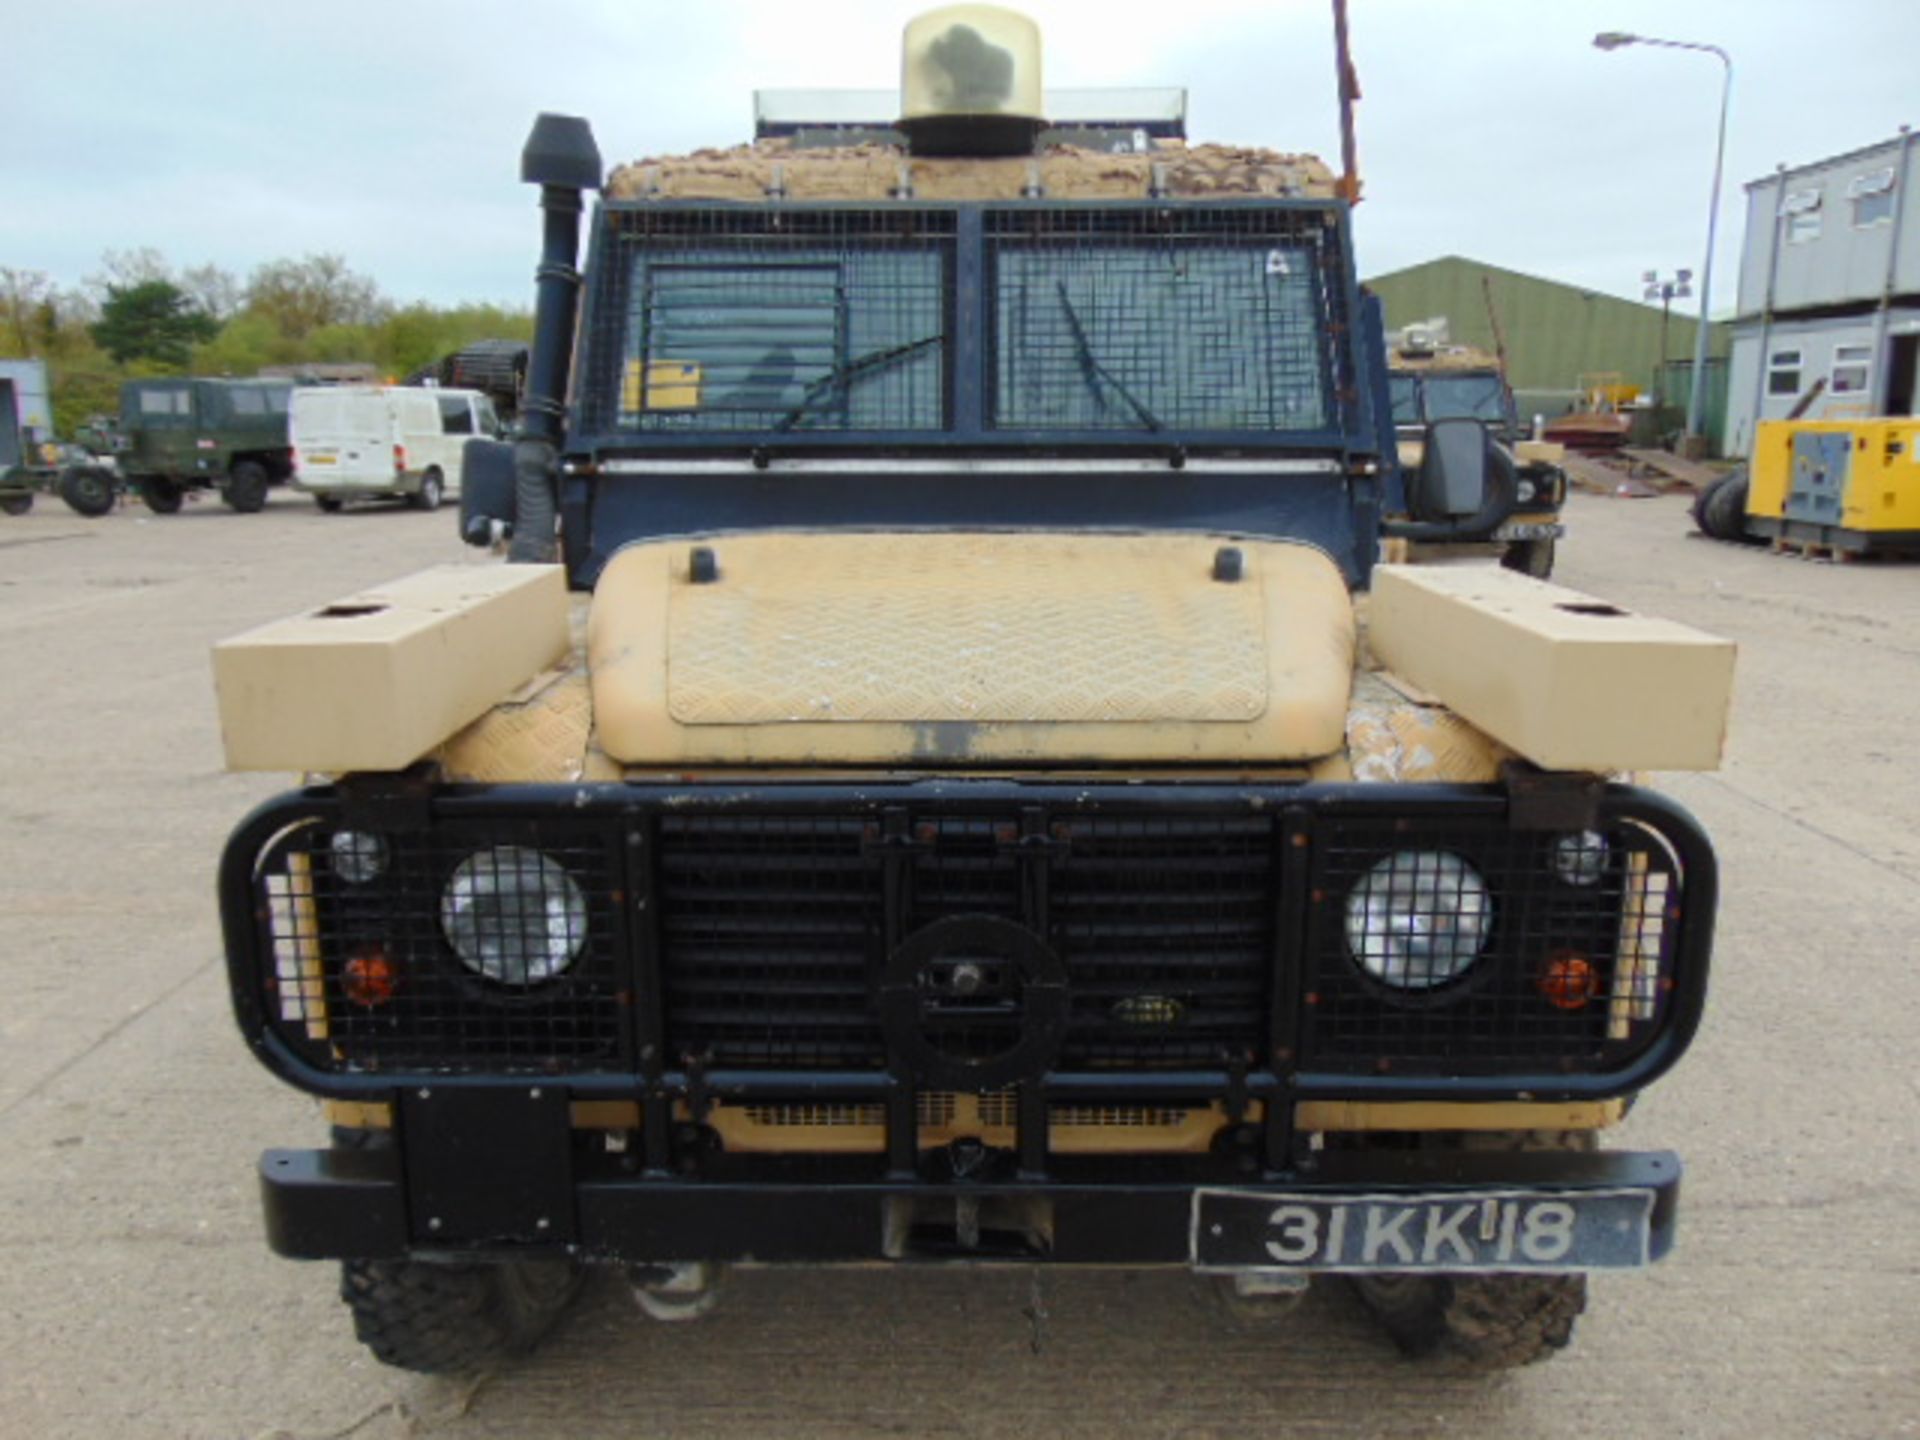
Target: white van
[{"x": 359, "y": 441}]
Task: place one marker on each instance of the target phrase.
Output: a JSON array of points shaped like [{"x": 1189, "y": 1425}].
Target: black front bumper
[{"x": 339, "y": 1204}]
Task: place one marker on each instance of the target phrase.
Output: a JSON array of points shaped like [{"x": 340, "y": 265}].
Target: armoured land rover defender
[
  {"x": 1519, "y": 517},
  {"x": 177, "y": 434},
  {"x": 987, "y": 804}
]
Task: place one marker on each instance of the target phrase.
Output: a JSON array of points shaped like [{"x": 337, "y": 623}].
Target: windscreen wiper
[
  {"x": 1094, "y": 371},
  {"x": 855, "y": 369}
]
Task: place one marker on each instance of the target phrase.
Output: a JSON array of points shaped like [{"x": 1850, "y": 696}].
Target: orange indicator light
[
  {"x": 369, "y": 978},
  {"x": 1569, "y": 981}
]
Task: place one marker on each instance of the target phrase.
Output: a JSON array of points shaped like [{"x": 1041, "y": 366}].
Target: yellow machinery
[{"x": 1848, "y": 485}]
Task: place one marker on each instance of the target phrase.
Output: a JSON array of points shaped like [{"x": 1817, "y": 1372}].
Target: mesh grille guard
[
  {"x": 848, "y": 942},
  {"x": 1107, "y": 323}
]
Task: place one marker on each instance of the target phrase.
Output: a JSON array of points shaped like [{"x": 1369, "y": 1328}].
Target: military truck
[
  {"x": 180, "y": 435},
  {"x": 943, "y": 777},
  {"x": 1431, "y": 379}
]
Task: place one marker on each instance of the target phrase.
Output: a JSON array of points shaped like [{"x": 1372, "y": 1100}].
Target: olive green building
[{"x": 1555, "y": 333}]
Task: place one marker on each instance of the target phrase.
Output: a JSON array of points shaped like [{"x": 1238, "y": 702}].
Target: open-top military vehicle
[
  {"x": 177, "y": 435},
  {"x": 974, "y": 810},
  {"x": 1518, "y": 519}
]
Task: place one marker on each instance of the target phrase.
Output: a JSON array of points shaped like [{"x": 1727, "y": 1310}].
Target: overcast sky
[{"x": 390, "y": 133}]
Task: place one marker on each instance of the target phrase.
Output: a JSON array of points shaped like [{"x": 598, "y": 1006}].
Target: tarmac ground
[{"x": 138, "y": 1299}]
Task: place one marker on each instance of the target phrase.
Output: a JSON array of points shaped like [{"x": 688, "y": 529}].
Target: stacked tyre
[{"x": 1720, "y": 510}]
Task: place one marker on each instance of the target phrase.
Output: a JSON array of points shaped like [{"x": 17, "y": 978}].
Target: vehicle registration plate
[
  {"x": 317, "y": 460},
  {"x": 1439, "y": 1230}
]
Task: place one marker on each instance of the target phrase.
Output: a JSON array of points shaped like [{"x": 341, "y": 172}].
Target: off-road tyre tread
[
  {"x": 1530, "y": 557},
  {"x": 1484, "y": 1322},
  {"x": 16, "y": 504},
  {"x": 452, "y": 1318},
  {"x": 1480, "y": 1322}
]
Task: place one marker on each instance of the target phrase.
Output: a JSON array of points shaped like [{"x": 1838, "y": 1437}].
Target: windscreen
[
  {"x": 1405, "y": 391},
  {"x": 1137, "y": 324},
  {"x": 1028, "y": 324},
  {"x": 1466, "y": 396},
  {"x": 757, "y": 333}
]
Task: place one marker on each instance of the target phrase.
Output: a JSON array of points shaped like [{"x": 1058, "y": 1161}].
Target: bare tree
[
  {"x": 216, "y": 292},
  {"x": 301, "y": 296},
  {"x": 126, "y": 269}
]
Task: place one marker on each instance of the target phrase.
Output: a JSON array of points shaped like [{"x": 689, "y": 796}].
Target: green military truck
[{"x": 181, "y": 434}]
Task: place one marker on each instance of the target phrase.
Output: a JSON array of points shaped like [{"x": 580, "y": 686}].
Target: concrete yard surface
[{"x": 137, "y": 1298}]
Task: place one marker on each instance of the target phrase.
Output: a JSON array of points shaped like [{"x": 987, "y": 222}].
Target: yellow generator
[{"x": 1851, "y": 486}]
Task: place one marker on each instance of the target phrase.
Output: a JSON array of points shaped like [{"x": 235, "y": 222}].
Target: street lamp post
[
  {"x": 1665, "y": 289},
  {"x": 1696, "y": 399}
]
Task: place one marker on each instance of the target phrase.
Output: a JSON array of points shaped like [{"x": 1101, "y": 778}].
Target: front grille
[
  {"x": 1189, "y": 935},
  {"x": 775, "y": 931},
  {"x": 769, "y": 935}
]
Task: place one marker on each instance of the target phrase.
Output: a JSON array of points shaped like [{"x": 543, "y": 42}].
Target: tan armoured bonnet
[{"x": 947, "y": 648}]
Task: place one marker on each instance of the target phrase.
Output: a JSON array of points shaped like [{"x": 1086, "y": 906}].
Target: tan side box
[
  {"x": 375, "y": 681},
  {"x": 1569, "y": 681}
]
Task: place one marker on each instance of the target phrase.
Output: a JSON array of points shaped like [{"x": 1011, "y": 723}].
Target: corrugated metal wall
[{"x": 1555, "y": 333}]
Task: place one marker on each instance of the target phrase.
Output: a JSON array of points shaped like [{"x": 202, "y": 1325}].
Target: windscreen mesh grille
[
  {"x": 1167, "y": 318},
  {"x": 749, "y": 320}
]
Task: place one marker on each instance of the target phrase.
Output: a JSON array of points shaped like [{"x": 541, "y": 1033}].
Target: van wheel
[
  {"x": 246, "y": 491},
  {"x": 432, "y": 490},
  {"x": 160, "y": 495},
  {"x": 16, "y": 504},
  {"x": 454, "y": 1317},
  {"x": 332, "y": 504},
  {"x": 88, "y": 490}
]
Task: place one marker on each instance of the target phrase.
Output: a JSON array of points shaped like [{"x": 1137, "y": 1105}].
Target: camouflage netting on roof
[
  {"x": 874, "y": 172},
  {"x": 1446, "y": 357}
]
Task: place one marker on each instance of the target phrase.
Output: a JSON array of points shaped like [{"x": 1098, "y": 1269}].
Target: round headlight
[
  {"x": 513, "y": 915},
  {"x": 1524, "y": 491},
  {"x": 1418, "y": 919}
]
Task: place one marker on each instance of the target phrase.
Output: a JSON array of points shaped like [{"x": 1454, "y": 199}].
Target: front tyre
[
  {"x": 16, "y": 504},
  {"x": 1530, "y": 557},
  {"x": 1483, "y": 1322},
  {"x": 1487, "y": 1322},
  {"x": 454, "y": 1318}
]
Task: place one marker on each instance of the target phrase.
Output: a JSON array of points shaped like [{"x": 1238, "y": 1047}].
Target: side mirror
[
  {"x": 1454, "y": 471},
  {"x": 486, "y": 491}
]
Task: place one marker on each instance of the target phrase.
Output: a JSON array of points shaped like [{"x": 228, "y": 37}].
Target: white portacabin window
[
  {"x": 1872, "y": 197},
  {"x": 1852, "y": 367},
  {"x": 1801, "y": 211},
  {"x": 1783, "y": 372}
]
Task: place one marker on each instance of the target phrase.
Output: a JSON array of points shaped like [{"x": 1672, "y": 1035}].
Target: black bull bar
[{"x": 337, "y": 1204}]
